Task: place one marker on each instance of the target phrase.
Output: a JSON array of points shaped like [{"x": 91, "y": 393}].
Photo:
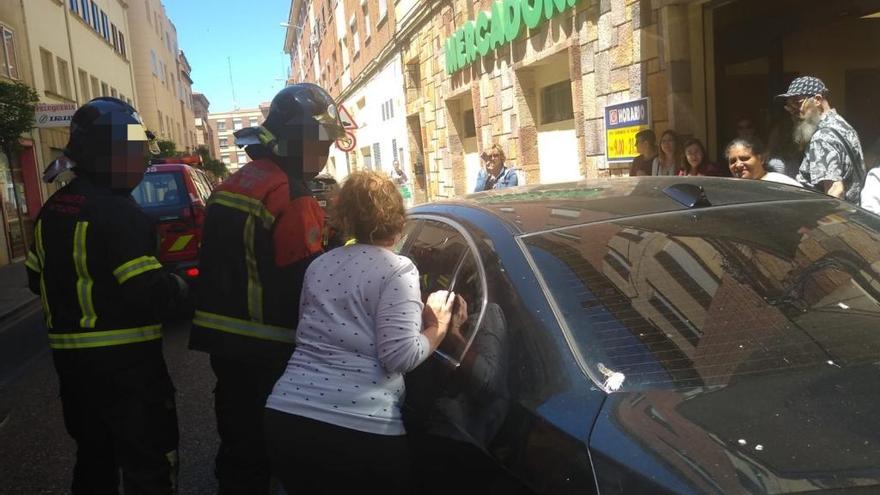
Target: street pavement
[{"x": 37, "y": 455}]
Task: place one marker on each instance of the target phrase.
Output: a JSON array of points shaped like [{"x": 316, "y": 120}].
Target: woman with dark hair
[
  {"x": 697, "y": 162},
  {"x": 670, "y": 161},
  {"x": 333, "y": 421},
  {"x": 747, "y": 160}
]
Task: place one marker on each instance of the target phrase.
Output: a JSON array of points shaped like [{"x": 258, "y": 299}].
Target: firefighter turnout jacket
[
  {"x": 262, "y": 229},
  {"x": 102, "y": 289}
]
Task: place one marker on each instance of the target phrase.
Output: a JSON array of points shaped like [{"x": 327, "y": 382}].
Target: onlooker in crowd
[
  {"x": 333, "y": 421},
  {"x": 833, "y": 163},
  {"x": 495, "y": 174},
  {"x": 745, "y": 128},
  {"x": 785, "y": 157},
  {"x": 697, "y": 162},
  {"x": 670, "y": 160},
  {"x": 871, "y": 192},
  {"x": 746, "y": 158},
  {"x": 400, "y": 178},
  {"x": 647, "y": 161}
]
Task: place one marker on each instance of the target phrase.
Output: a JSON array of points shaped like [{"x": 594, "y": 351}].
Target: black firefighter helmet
[
  {"x": 108, "y": 142},
  {"x": 301, "y": 116}
]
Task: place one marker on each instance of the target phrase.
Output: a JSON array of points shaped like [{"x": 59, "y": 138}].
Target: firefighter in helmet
[
  {"x": 103, "y": 294},
  {"x": 262, "y": 229}
]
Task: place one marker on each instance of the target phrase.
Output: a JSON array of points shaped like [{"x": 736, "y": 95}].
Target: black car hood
[{"x": 816, "y": 428}]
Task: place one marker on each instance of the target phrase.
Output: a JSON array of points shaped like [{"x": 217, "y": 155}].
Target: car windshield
[
  {"x": 160, "y": 190},
  {"x": 700, "y": 299}
]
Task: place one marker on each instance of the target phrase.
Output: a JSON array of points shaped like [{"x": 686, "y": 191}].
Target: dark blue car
[{"x": 650, "y": 335}]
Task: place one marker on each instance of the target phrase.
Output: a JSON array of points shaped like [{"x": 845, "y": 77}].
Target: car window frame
[{"x": 421, "y": 218}]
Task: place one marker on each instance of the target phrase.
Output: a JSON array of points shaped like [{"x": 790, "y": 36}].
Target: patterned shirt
[{"x": 828, "y": 158}]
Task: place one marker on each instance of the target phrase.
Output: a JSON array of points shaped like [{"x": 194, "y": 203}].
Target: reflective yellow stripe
[
  {"x": 180, "y": 243},
  {"x": 136, "y": 267},
  {"x": 244, "y": 203},
  {"x": 351, "y": 242},
  {"x": 41, "y": 254},
  {"x": 242, "y": 327},
  {"x": 84, "y": 281},
  {"x": 254, "y": 287},
  {"x": 87, "y": 340},
  {"x": 33, "y": 262}
]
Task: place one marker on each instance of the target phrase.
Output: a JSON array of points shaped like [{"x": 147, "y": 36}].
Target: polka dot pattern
[{"x": 355, "y": 340}]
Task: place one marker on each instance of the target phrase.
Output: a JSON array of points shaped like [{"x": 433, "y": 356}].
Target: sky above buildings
[{"x": 248, "y": 33}]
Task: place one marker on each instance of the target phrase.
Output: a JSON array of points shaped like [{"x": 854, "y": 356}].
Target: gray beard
[{"x": 803, "y": 130}]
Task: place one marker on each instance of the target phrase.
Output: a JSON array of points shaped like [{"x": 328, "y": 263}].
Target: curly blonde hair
[{"x": 369, "y": 207}]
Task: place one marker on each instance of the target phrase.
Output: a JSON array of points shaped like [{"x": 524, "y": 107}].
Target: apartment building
[
  {"x": 547, "y": 81},
  {"x": 225, "y": 123},
  {"x": 344, "y": 46},
  {"x": 69, "y": 52},
  {"x": 161, "y": 75},
  {"x": 205, "y": 133}
]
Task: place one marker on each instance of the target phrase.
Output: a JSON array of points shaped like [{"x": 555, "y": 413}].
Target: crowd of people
[
  {"x": 828, "y": 156},
  {"x": 309, "y": 346}
]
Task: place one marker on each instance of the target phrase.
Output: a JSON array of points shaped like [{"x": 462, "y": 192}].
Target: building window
[
  {"x": 48, "y": 71},
  {"x": 96, "y": 87},
  {"x": 8, "y": 61},
  {"x": 366, "y": 23},
  {"x": 377, "y": 157},
  {"x": 394, "y": 149},
  {"x": 122, "y": 45},
  {"x": 96, "y": 19},
  {"x": 105, "y": 90},
  {"x": 253, "y": 122},
  {"x": 236, "y": 124},
  {"x": 153, "y": 63},
  {"x": 355, "y": 37},
  {"x": 161, "y": 123},
  {"x": 241, "y": 157},
  {"x": 147, "y": 6},
  {"x": 383, "y": 10},
  {"x": 114, "y": 93},
  {"x": 556, "y": 103},
  {"x": 73, "y": 6},
  {"x": 114, "y": 37},
  {"x": 221, "y": 125},
  {"x": 224, "y": 159},
  {"x": 64, "y": 78},
  {"x": 470, "y": 127},
  {"x": 84, "y": 85},
  {"x": 224, "y": 142},
  {"x": 84, "y": 12},
  {"x": 105, "y": 26}
]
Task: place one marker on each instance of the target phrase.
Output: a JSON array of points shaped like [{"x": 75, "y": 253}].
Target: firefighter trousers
[
  {"x": 242, "y": 466},
  {"x": 125, "y": 421}
]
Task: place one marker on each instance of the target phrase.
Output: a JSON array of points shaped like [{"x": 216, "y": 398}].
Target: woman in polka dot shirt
[{"x": 333, "y": 420}]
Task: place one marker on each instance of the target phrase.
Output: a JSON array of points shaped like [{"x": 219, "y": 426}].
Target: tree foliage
[
  {"x": 17, "y": 106},
  {"x": 167, "y": 149},
  {"x": 211, "y": 165}
]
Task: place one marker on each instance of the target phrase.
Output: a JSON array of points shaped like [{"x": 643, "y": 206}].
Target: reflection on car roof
[{"x": 543, "y": 207}]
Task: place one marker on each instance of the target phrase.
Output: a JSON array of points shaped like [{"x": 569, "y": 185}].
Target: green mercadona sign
[{"x": 495, "y": 29}]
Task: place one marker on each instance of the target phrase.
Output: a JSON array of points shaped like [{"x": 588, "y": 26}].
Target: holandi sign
[{"x": 494, "y": 29}]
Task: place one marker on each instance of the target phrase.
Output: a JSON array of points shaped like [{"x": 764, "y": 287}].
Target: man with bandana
[{"x": 833, "y": 162}]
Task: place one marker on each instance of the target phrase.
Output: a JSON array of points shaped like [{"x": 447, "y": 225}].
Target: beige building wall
[
  {"x": 164, "y": 95},
  {"x": 224, "y": 124}
]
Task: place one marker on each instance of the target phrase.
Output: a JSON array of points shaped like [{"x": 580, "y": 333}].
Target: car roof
[{"x": 543, "y": 207}]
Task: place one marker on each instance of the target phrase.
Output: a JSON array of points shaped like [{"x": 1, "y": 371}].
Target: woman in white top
[
  {"x": 747, "y": 160},
  {"x": 333, "y": 421}
]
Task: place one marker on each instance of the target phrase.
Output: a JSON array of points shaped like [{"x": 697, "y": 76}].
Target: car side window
[
  {"x": 202, "y": 185},
  {"x": 447, "y": 262}
]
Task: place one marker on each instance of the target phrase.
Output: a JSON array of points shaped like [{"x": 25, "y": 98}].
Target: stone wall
[{"x": 615, "y": 52}]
